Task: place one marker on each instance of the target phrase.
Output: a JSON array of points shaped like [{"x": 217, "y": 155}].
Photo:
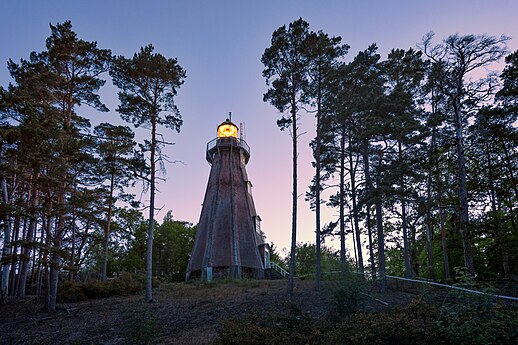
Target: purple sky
[{"x": 220, "y": 44}]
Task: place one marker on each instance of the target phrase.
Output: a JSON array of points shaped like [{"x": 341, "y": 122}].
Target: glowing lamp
[{"x": 227, "y": 129}]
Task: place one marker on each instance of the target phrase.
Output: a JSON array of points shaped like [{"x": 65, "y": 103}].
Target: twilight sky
[{"x": 220, "y": 44}]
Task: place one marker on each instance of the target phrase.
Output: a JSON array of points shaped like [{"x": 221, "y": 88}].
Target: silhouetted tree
[
  {"x": 286, "y": 74},
  {"x": 148, "y": 84},
  {"x": 455, "y": 59}
]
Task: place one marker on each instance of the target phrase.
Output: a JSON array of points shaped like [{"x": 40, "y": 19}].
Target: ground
[{"x": 181, "y": 313}]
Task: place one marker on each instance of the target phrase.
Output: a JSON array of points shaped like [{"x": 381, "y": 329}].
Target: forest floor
[{"x": 181, "y": 314}]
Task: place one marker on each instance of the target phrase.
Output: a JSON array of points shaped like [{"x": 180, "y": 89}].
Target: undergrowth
[
  {"x": 125, "y": 284},
  {"x": 141, "y": 324},
  {"x": 468, "y": 321}
]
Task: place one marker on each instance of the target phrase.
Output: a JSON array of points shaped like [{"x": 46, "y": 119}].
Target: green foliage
[
  {"x": 305, "y": 260},
  {"x": 293, "y": 327},
  {"x": 413, "y": 324},
  {"x": 481, "y": 323},
  {"x": 172, "y": 248},
  {"x": 71, "y": 291},
  {"x": 416, "y": 323},
  {"x": 347, "y": 291},
  {"x": 141, "y": 324},
  {"x": 148, "y": 84},
  {"x": 125, "y": 284}
]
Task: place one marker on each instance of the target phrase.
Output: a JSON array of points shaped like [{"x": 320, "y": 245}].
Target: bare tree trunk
[
  {"x": 368, "y": 183},
  {"x": 72, "y": 269},
  {"x": 445, "y": 259},
  {"x": 317, "y": 196},
  {"x": 55, "y": 257},
  {"x": 149, "y": 257},
  {"x": 294, "y": 197},
  {"x": 14, "y": 251},
  {"x": 355, "y": 216},
  {"x": 463, "y": 191},
  {"x": 29, "y": 238},
  {"x": 342, "y": 197},
  {"x": 381, "y": 238},
  {"x": 406, "y": 251},
  {"x": 6, "y": 252},
  {"x": 500, "y": 244},
  {"x": 429, "y": 251},
  {"x": 107, "y": 229}
]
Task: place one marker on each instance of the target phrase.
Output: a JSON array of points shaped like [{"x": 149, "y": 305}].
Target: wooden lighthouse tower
[{"x": 228, "y": 234}]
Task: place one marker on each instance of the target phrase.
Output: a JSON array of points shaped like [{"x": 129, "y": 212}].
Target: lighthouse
[{"x": 229, "y": 241}]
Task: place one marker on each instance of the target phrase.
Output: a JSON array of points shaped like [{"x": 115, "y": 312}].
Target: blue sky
[{"x": 220, "y": 44}]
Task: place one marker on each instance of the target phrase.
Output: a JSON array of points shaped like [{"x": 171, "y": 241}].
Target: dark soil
[{"x": 181, "y": 313}]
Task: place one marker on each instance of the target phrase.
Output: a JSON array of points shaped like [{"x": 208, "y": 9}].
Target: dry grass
[{"x": 185, "y": 313}]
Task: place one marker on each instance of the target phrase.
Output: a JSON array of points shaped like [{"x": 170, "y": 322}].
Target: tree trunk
[
  {"x": 14, "y": 250},
  {"x": 317, "y": 196},
  {"x": 341, "y": 201},
  {"x": 445, "y": 259},
  {"x": 500, "y": 244},
  {"x": 368, "y": 187},
  {"x": 107, "y": 229},
  {"x": 381, "y": 237},
  {"x": 463, "y": 191},
  {"x": 355, "y": 216},
  {"x": 406, "y": 252},
  {"x": 29, "y": 238},
  {"x": 429, "y": 251},
  {"x": 55, "y": 258},
  {"x": 6, "y": 252},
  {"x": 149, "y": 257},
  {"x": 294, "y": 197}
]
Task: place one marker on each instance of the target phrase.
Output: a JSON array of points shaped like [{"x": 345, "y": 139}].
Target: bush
[
  {"x": 125, "y": 284},
  {"x": 481, "y": 323},
  {"x": 70, "y": 291},
  {"x": 141, "y": 324},
  {"x": 291, "y": 328},
  {"x": 346, "y": 289},
  {"x": 413, "y": 324}
]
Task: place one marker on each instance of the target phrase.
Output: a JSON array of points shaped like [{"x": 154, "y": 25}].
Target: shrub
[
  {"x": 141, "y": 324},
  {"x": 481, "y": 323},
  {"x": 291, "y": 328},
  {"x": 125, "y": 284},
  {"x": 413, "y": 324},
  {"x": 346, "y": 289},
  {"x": 70, "y": 291}
]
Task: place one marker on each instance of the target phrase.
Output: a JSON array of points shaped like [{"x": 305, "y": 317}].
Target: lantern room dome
[{"x": 227, "y": 129}]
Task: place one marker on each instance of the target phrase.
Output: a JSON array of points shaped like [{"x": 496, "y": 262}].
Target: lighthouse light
[{"x": 227, "y": 129}]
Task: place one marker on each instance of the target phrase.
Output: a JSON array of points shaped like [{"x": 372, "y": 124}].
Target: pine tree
[
  {"x": 148, "y": 83},
  {"x": 286, "y": 63}
]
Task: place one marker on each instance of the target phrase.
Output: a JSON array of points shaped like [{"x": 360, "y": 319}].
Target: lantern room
[{"x": 227, "y": 129}]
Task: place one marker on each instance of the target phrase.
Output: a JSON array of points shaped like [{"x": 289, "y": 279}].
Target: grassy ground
[{"x": 252, "y": 312}]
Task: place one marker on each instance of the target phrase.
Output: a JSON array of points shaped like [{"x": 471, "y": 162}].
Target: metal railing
[
  {"x": 279, "y": 269},
  {"x": 226, "y": 142}
]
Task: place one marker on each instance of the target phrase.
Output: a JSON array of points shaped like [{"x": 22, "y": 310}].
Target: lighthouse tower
[{"x": 228, "y": 233}]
